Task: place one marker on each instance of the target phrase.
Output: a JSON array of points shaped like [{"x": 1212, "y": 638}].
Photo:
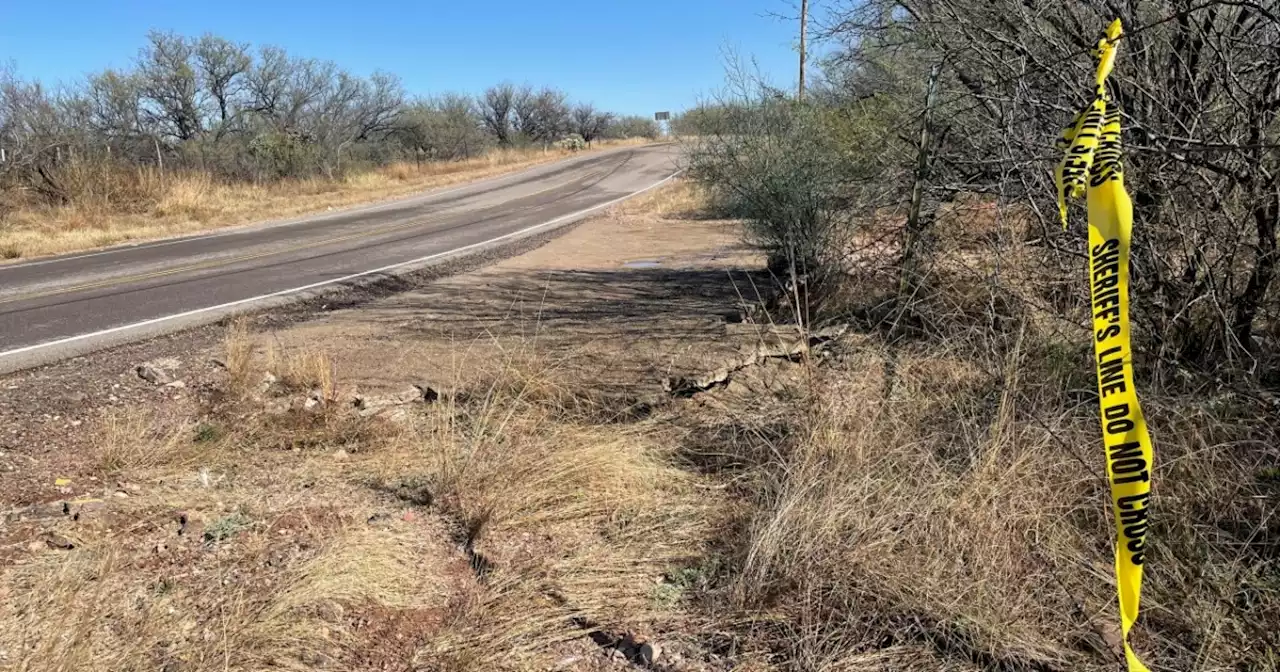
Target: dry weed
[
  {"x": 302, "y": 369},
  {"x": 569, "y": 524},
  {"x": 99, "y": 608},
  {"x": 940, "y": 501},
  {"x": 283, "y": 576},
  {"x": 188, "y": 196},
  {"x": 53, "y": 614},
  {"x": 239, "y": 346},
  {"x": 677, "y": 200},
  {"x": 313, "y": 615},
  {"x": 895, "y": 518},
  {"x": 132, "y": 440}
]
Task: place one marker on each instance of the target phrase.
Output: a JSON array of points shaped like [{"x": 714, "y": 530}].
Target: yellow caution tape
[
  {"x": 1093, "y": 151},
  {"x": 1080, "y": 140}
]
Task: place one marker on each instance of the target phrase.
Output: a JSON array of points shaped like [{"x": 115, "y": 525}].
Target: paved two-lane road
[{"x": 64, "y": 306}]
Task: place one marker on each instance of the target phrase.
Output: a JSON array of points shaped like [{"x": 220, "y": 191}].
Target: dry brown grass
[
  {"x": 901, "y": 512},
  {"x": 143, "y": 205},
  {"x": 578, "y": 527},
  {"x": 302, "y": 369},
  {"x": 569, "y": 524},
  {"x": 288, "y": 573},
  {"x": 567, "y": 527},
  {"x": 941, "y": 510},
  {"x": 931, "y": 502},
  {"x": 937, "y": 499},
  {"x": 681, "y": 199},
  {"x": 107, "y": 606},
  {"x": 238, "y": 346},
  {"x": 132, "y": 440}
]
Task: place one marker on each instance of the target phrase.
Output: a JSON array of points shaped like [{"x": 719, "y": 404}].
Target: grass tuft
[
  {"x": 132, "y": 440},
  {"x": 302, "y": 369},
  {"x": 239, "y": 357}
]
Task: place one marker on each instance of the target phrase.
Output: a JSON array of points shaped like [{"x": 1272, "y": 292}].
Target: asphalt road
[{"x": 64, "y": 306}]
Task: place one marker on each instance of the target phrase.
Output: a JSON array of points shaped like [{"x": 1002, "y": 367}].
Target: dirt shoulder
[{"x": 456, "y": 475}]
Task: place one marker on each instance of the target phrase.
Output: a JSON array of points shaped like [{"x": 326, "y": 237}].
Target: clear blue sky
[{"x": 627, "y": 56}]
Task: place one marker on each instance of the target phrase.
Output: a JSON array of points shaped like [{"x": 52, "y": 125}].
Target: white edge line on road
[
  {"x": 408, "y": 200},
  {"x": 361, "y": 209},
  {"x": 345, "y": 278}
]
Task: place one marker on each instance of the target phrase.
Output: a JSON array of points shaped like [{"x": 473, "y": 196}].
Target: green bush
[
  {"x": 572, "y": 142},
  {"x": 775, "y": 165}
]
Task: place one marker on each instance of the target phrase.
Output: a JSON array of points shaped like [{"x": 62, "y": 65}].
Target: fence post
[{"x": 159, "y": 160}]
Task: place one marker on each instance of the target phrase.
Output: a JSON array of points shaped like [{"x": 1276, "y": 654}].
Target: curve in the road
[{"x": 55, "y": 308}]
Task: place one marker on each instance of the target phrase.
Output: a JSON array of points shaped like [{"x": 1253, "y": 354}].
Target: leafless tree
[
  {"x": 1199, "y": 86},
  {"x": 115, "y": 99},
  {"x": 38, "y": 129},
  {"x": 496, "y": 110},
  {"x": 633, "y": 126},
  {"x": 212, "y": 104},
  {"x": 223, "y": 66},
  {"x": 444, "y": 127},
  {"x": 170, "y": 85},
  {"x": 524, "y": 116},
  {"x": 541, "y": 115},
  {"x": 589, "y": 122},
  {"x": 549, "y": 115}
]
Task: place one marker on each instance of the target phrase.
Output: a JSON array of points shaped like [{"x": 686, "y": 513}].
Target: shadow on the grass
[{"x": 623, "y": 304}]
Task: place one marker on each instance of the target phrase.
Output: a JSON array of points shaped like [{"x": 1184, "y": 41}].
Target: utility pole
[{"x": 804, "y": 22}]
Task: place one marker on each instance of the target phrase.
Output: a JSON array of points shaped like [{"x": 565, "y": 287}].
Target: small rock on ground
[
  {"x": 649, "y": 653},
  {"x": 154, "y": 374}
]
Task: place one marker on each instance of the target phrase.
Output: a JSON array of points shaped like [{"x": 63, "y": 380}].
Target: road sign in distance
[{"x": 662, "y": 116}]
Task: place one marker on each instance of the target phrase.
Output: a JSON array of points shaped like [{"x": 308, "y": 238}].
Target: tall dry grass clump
[
  {"x": 226, "y": 553},
  {"x": 302, "y": 369},
  {"x": 934, "y": 509},
  {"x": 193, "y": 196},
  {"x": 912, "y": 510},
  {"x": 938, "y": 498},
  {"x": 103, "y": 607},
  {"x": 133, "y": 440},
  {"x": 238, "y": 346}
]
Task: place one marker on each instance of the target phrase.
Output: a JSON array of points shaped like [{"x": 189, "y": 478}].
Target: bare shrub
[
  {"x": 937, "y": 505},
  {"x": 1199, "y": 127},
  {"x": 773, "y": 165},
  {"x": 632, "y": 127}
]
